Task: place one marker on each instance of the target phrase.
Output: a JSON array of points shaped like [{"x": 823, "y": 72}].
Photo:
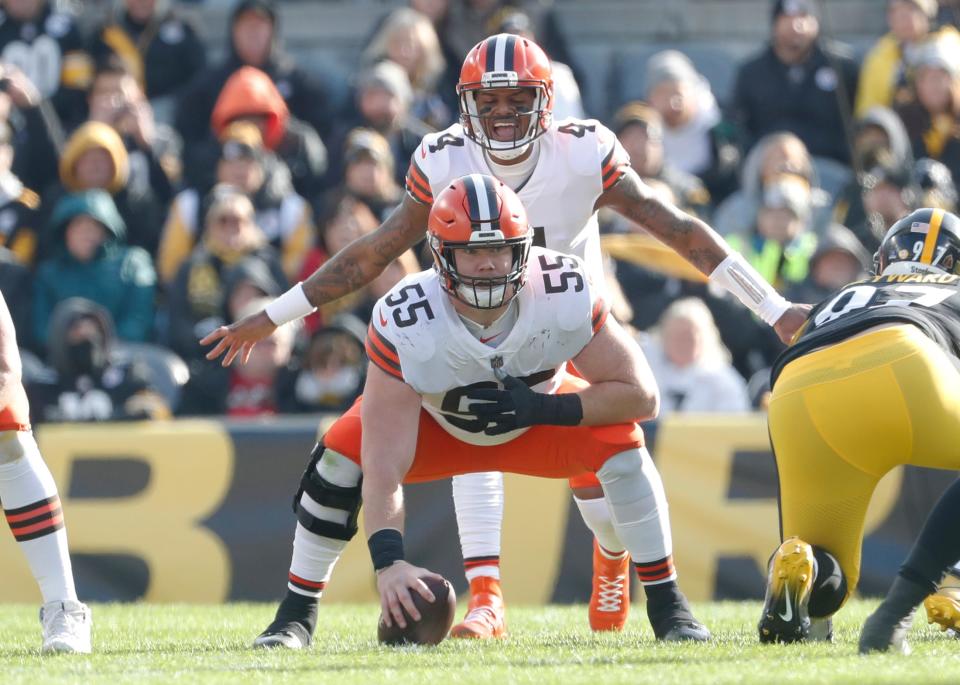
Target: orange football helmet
[
  {"x": 478, "y": 211},
  {"x": 505, "y": 61}
]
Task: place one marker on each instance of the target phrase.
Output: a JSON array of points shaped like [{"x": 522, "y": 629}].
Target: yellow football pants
[{"x": 842, "y": 416}]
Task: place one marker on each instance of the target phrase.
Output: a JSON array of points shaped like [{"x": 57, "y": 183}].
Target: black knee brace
[{"x": 327, "y": 494}]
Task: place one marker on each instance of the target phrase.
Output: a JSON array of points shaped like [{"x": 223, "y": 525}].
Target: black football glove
[{"x": 517, "y": 406}]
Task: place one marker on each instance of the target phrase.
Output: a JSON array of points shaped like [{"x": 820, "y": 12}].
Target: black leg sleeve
[{"x": 937, "y": 549}]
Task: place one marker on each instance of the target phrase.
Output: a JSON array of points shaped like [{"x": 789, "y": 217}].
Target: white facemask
[
  {"x": 507, "y": 154},
  {"x": 482, "y": 296}
]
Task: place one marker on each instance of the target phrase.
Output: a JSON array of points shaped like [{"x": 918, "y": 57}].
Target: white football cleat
[{"x": 66, "y": 627}]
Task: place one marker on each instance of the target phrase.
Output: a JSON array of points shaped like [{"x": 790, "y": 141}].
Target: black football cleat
[
  {"x": 283, "y": 635},
  {"x": 671, "y": 618},
  {"x": 293, "y": 625},
  {"x": 785, "y": 615},
  {"x": 885, "y": 632},
  {"x": 685, "y": 630}
]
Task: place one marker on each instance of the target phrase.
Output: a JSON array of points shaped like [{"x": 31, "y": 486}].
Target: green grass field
[{"x": 209, "y": 644}]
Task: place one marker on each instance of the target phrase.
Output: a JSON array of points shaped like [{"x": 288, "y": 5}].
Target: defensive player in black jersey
[{"x": 871, "y": 382}]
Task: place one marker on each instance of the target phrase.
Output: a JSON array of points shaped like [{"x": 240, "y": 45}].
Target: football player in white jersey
[
  {"x": 563, "y": 172},
  {"x": 439, "y": 401}
]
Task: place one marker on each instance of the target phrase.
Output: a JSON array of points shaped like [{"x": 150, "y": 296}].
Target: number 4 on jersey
[
  {"x": 576, "y": 130},
  {"x": 444, "y": 140}
]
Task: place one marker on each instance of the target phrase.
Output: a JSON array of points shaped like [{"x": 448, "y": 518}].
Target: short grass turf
[{"x": 142, "y": 643}]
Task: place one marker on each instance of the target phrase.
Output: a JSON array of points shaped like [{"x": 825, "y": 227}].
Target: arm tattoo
[
  {"x": 365, "y": 258},
  {"x": 693, "y": 239}
]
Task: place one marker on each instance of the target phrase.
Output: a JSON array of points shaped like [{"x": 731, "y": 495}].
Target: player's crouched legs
[
  {"x": 638, "y": 505},
  {"x": 805, "y": 587},
  {"x": 327, "y": 505}
]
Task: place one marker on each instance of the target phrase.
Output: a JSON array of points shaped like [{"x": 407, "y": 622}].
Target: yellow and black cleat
[
  {"x": 943, "y": 608},
  {"x": 785, "y": 616}
]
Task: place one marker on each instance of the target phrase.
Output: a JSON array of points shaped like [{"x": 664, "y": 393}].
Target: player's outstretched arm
[
  {"x": 692, "y": 238},
  {"x": 10, "y": 364},
  {"x": 350, "y": 269},
  {"x": 365, "y": 258},
  {"x": 705, "y": 249},
  {"x": 390, "y": 418}
]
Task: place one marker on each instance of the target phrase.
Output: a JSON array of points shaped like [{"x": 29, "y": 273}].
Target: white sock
[
  {"x": 313, "y": 560},
  {"x": 32, "y": 507},
  {"x": 638, "y": 506},
  {"x": 314, "y": 556},
  {"x": 596, "y": 514},
  {"x": 478, "y": 498}
]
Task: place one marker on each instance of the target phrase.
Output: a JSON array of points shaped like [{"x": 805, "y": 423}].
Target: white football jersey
[
  {"x": 416, "y": 335},
  {"x": 579, "y": 159}
]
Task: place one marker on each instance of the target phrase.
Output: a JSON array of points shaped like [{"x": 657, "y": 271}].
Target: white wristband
[
  {"x": 742, "y": 280},
  {"x": 290, "y": 306}
]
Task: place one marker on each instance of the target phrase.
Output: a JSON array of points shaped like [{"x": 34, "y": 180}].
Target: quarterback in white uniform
[
  {"x": 559, "y": 192},
  {"x": 563, "y": 172},
  {"x": 440, "y": 402}
]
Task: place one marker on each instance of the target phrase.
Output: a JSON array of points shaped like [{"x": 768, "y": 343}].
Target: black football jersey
[{"x": 931, "y": 302}]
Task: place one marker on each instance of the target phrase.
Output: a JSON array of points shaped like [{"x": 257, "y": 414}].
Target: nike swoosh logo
[
  {"x": 486, "y": 340},
  {"x": 383, "y": 322},
  {"x": 787, "y": 615}
]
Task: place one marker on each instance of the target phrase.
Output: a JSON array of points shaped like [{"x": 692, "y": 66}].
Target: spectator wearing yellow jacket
[
  {"x": 931, "y": 112},
  {"x": 886, "y": 66},
  {"x": 285, "y": 217},
  {"x": 230, "y": 238},
  {"x": 95, "y": 158}
]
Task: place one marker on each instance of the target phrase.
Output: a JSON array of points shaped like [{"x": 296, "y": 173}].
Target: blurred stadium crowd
[{"x": 150, "y": 193}]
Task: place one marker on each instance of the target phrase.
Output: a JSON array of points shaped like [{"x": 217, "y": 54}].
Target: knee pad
[
  {"x": 633, "y": 466},
  {"x": 620, "y": 465},
  {"x": 11, "y": 447},
  {"x": 333, "y": 482},
  {"x": 629, "y": 480},
  {"x": 830, "y": 587},
  {"x": 638, "y": 505}
]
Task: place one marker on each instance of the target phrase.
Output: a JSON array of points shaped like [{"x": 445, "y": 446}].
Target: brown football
[{"x": 436, "y": 618}]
